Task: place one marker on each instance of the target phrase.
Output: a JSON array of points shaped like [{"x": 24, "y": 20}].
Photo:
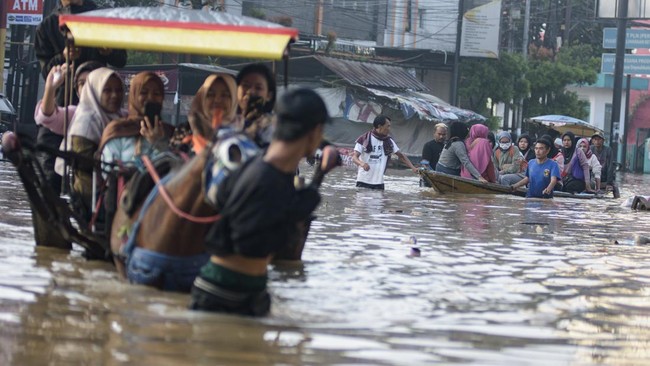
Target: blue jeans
[{"x": 168, "y": 273}]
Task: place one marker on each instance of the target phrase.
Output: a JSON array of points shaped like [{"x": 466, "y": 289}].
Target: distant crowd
[{"x": 582, "y": 164}]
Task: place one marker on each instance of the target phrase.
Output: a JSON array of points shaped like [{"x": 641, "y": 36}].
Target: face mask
[{"x": 504, "y": 145}]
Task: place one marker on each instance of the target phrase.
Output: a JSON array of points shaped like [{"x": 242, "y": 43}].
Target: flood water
[{"x": 501, "y": 281}]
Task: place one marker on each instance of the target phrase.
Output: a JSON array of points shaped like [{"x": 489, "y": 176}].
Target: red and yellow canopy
[{"x": 165, "y": 29}]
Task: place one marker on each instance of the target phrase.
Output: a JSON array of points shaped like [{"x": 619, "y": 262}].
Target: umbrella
[
  {"x": 168, "y": 29},
  {"x": 5, "y": 106},
  {"x": 563, "y": 124}
]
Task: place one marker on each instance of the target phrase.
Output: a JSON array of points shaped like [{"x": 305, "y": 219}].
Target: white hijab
[{"x": 90, "y": 119}]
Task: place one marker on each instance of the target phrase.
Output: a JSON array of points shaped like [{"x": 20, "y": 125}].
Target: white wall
[
  {"x": 433, "y": 24},
  {"x": 598, "y": 98}
]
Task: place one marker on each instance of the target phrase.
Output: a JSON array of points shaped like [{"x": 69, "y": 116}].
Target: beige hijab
[{"x": 200, "y": 116}]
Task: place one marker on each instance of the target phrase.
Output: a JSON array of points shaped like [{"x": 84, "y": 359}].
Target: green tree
[
  {"x": 498, "y": 81},
  {"x": 549, "y": 77}
]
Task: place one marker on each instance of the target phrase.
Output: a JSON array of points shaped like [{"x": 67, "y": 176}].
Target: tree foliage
[
  {"x": 499, "y": 81},
  {"x": 540, "y": 81},
  {"x": 549, "y": 77}
]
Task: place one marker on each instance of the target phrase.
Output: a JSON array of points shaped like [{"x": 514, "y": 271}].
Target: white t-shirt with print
[{"x": 376, "y": 159}]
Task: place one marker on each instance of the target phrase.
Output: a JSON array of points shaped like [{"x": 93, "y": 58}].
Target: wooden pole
[{"x": 3, "y": 39}]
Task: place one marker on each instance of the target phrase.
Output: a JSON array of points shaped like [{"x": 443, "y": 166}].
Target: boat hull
[{"x": 450, "y": 184}]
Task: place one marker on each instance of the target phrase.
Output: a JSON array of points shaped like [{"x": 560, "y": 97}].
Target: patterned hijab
[{"x": 588, "y": 153}]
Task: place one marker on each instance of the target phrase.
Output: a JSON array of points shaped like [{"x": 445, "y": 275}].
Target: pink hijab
[
  {"x": 478, "y": 149},
  {"x": 588, "y": 153}
]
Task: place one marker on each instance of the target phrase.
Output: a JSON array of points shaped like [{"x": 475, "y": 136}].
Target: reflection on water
[{"x": 501, "y": 280}]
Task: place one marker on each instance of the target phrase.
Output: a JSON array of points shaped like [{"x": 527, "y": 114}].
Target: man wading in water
[
  {"x": 372, "y": 151},
  {"x": 261, "y": 210}
]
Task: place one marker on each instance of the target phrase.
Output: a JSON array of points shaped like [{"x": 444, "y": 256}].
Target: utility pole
[
  {"x": 318, "y": 18},
  {"x": 567, "y": 23},
  {"x": 618, "y": 67},
  {"x": 456, "y": 76},
  {"x": 3, "y": 39}
]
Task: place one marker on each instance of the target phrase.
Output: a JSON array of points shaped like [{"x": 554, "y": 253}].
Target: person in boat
[
  {"x": 126, "y": 138},
  {"x": 575, "y": 176},
  {"x": 542, "y": 173},
  {"x": 372, "y": 152},
  {"x": 480, "y": 153},
  {"x": 214, "y": 95},
  {"x": 525, "y": 145},
  {"x": 510, "y": 162},
  {"x": 555, "y": 154},
  {"x": 594, "y": 165},
  {"x": 100, "y": 103},
  {"x": 50, "y": 48},
  {"x": 606, "y": 158},
  {"x": 432, "y": 149},
  {"x": 260, "y": 208},
  {"x": 492, "y": 139},
  {"x": 50, "y": 117},
  {"x": 454, "y": 154}
]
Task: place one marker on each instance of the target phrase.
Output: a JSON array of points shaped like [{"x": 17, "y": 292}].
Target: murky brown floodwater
[{"x": 501, "y": 281}]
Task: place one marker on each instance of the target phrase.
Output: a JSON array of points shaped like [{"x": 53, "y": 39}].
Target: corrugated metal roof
[{"x": 373, "y": 75}]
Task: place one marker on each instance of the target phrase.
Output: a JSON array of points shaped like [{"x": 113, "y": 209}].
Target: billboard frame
[{"x": 639, "y": 9}]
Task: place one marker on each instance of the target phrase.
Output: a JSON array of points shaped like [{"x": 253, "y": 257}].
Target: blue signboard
[
  {"x": 634, "y": 38},
  {"x": 634, "y": 64}
]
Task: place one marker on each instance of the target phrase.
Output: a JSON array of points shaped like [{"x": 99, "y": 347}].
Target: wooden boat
[{"x": 446, "y": 184}]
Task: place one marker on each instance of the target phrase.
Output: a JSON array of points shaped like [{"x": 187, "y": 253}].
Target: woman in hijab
[
  {"x": 100, "y": 103},
  {"x": 568, "y": 146},
  {"x": 594, "y": 164},
  {"x": 480, "y": 153},
  {"x": 217, "y": 94},
  {"x": 126, "y": 138},
  {"x": 454, "y": 154},
  {"x": 575, "y": 175},
  {"x": 525, "y": 144}
]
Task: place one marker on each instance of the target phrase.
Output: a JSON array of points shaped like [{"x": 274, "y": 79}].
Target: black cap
[
  {"x": 301, "y": 106},
  {"x": 299, "y": 111}
]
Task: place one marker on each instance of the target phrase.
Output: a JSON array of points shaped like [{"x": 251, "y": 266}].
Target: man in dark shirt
[
  {"x": 261, "y": 211},
  {"x": 607, "y": 160},
  {"x": 432, "y": 149},
  {"x": 50, "y": 48}
]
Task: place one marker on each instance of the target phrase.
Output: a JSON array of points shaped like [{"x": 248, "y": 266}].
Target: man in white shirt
[{"x": 372, "y": 152}]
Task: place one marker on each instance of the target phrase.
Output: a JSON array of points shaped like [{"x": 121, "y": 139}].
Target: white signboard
[
  {"x": 480, "y": 34},
  {"x": 636, "y": 9},
  {"x": 24, "y": 12}
]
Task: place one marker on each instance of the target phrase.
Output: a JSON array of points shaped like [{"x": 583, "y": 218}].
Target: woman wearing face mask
[
  {"x": 100, "y": 103},
  {"x": 216, "y": 94},
  {"x": 480, "y": 153},
  {"x": 126, "y": 138},
  {"x": 454, "y": 154},
  {"x": 508, "y": 159},
  {"x": 594, "y": 164},
  {"x": 575, "y": 174}
]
